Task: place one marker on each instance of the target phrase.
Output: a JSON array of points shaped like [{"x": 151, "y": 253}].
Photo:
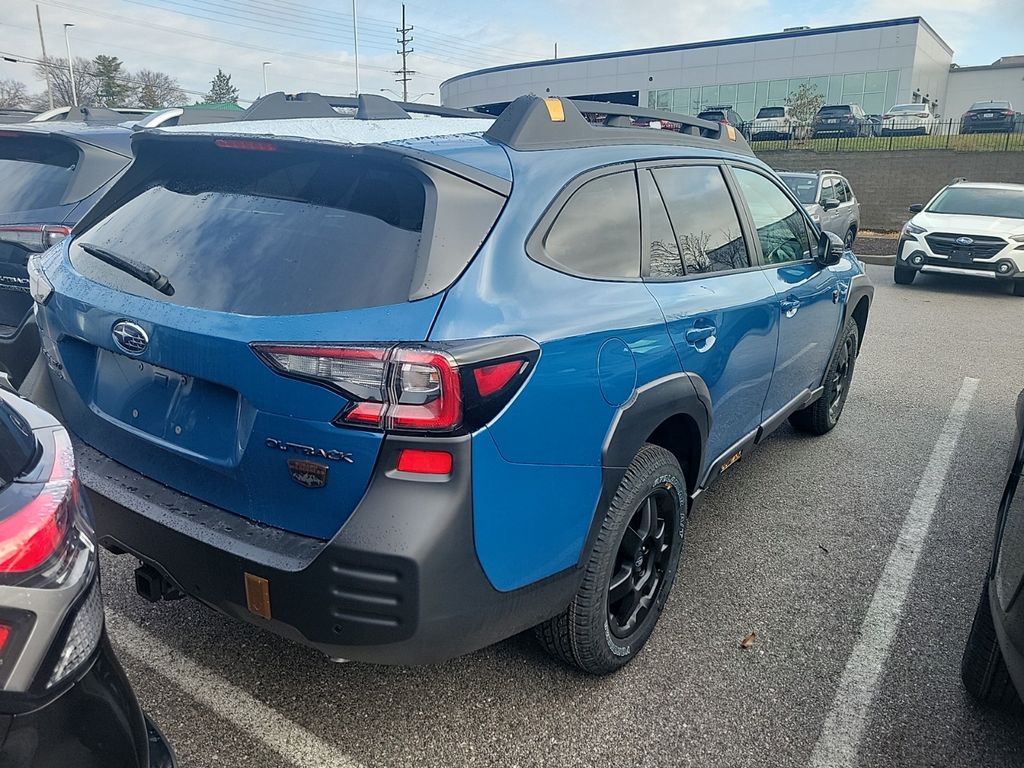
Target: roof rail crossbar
[
  {"x": 83, "y": 115},
  {"x": 532, "y": 122},
  {"x": 366, "y": 107}
]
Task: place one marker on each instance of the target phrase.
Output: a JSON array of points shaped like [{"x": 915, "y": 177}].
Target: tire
[
  {"x": 823, "y": 414},
  {"x": 1018, "y": 287},
  {"x": 903, "y": 276},
  {"x": 983, "y": 669},
  {"x": 590, "y": 633},
  {"x": 851, "y": 236}
]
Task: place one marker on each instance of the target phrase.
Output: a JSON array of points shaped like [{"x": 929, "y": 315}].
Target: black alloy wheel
[
  {"x": 841, "y": 377},
  {"x": 643, "y": 556}
]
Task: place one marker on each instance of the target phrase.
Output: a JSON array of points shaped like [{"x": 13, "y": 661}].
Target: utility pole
[
  {"x": 556, "y": 50},
  {"x": 405, "y": 73},
  {"x": 355, "y": 39},
  {"x": 46, "y": 62},
  {"x": 71, "y": 66}
]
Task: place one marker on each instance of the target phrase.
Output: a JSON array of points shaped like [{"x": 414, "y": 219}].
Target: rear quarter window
[{"x": 597, "y": 231}]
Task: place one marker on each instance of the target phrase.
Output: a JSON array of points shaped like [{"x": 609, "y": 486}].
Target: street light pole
[
  {"x": 265, "y": 65},
  {"x": 355, "y": 38},
  {"x": 46, "y": 61},
  {"x": 71, "y": 66}
]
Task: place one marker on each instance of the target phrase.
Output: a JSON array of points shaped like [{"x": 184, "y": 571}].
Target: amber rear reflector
[
  {"x": 257, "y": 595},
  {"x": 731, "y": 132}
]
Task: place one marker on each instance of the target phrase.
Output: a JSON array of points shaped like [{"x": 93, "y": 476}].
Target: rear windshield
[
  {"x": 268, "y": 232},
  {"x": 771, "y": 112},
  {"x": 990, "y": 105},
  {"x": 804, "y": 187},
  {"x": 35, "y": 171},
  {"x": 834, "y": 111},
  {"x": 713, "y": 114},
  {"x": 909, "y": 108},
  {"x": 1005, "y": 203}
]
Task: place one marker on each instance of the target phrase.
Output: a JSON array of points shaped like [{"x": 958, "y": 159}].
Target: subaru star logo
[
  {"x": 965, "y": 241},
  {"x": 129, "y": 337}
]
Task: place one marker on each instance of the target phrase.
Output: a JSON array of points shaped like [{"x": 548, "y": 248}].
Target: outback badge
[{"x": 308, "y": 473}]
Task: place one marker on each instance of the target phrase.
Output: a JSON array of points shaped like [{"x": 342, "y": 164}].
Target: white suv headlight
[
  {"x": 1018, "y": 238},
  {"x": 910, "y": 228}
]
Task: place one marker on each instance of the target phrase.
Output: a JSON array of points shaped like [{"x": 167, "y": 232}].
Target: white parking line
[
  {"x": 297, "y": 745},
  {"x": 844, "y": 727}
]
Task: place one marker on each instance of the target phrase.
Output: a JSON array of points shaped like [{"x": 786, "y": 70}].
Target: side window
[
  {"x": 847, "y": 191},
  {"x": 704, "y": 218},
  {"x": 663, "y": 258},
  {"x": 781, "y": 228},
  {"x": 597, "y": 232},
  {"x": 828, "y": 189},
  {"x": 841, "y": 191}
]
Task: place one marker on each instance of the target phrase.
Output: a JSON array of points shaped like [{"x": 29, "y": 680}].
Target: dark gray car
[{"x": 829, "y": 199}]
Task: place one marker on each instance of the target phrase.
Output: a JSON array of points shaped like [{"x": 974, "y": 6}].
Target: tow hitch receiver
[{"x": 152, "y": 585}]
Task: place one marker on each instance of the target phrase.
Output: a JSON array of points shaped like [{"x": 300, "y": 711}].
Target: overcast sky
[{"x": 309, "y": 44}]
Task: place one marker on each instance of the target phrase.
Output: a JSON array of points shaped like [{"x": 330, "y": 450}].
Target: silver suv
[{"x": 829, "y": 199}]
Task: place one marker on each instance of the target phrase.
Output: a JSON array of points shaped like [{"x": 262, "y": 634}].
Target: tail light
[
  {"x": 33, "y": 237},
  {"x": 888, "y": 117},
  {"x": 39, "y": 531},
  {"x": 1009, "y": 113},
  {"x": 450, "y": 388}
]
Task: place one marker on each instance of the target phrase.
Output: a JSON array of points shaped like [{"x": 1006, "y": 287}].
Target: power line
[{"x": 405, "y": 74}]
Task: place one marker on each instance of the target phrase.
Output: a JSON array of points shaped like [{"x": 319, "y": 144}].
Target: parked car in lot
[
  {"x": 773, "y": 123},
  {"x": 52, "y": 174},
  {"x": 993, "y": 661},
  {"x": 908, "y": 118},
  {"x": 829, "y": 200},
  {"x": 404, "y": 441},
  {"x": 64, "y": 699},
  {"x": 725, "y": 115},
  {"x": 841, "y": 120},
  {"x": 968, "y": 228},
  {"x": 989, "y": 117}
]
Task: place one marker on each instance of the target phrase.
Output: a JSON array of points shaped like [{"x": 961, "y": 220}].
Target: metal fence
[{"x": 876, "y": 135}]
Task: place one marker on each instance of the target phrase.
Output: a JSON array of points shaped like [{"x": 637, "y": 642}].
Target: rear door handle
[
  {"x": 790, "y": 306},
  {"x": 700, "y": 334}
]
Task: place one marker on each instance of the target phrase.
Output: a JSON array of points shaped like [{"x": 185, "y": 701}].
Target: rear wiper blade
[{"x": 136, "y": 269}]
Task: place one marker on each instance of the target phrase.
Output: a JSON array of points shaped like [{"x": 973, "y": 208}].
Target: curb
[{"x": 885, "y": 261}]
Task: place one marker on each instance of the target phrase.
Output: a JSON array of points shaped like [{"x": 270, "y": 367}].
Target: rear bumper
[
  {"x": 399, "y": 584},
  {"x": 96, "y": 723},
  {"x": 19, "y": 350}
]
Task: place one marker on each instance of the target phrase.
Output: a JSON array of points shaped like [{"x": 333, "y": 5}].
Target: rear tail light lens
[
  {"x": 39, "y": 530},
  {"x": 38, "y": 285},
  {"x": 34, "y": 237},
  {"x": 82, "y": 638},
  {"x": 406, "y": 388}
]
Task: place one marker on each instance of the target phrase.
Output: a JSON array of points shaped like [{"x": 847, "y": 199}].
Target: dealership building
[{"x": 876, "y": 64}]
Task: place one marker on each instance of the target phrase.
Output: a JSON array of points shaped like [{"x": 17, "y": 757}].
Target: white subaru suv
[{"x": 968, "y": 228}]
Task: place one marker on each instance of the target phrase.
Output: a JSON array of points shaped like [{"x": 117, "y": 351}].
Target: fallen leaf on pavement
[{"x": 748, "y": 640}]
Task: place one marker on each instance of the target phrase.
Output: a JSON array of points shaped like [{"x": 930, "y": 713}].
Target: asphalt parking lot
[{"x": 790, "y": 545}]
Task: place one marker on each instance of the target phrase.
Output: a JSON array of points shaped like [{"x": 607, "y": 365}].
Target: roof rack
[
  {"x": 94, "y": 115},
  {"x": 184, "y": 116},
  {"x": 367, "y": 106},
  {"x": 532, "y": 122}
]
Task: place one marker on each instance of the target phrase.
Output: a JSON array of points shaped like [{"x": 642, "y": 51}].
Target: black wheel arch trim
[{"x": 678, "y": 394}]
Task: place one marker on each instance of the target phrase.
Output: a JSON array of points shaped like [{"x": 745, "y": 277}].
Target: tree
[
  {"x": 805, "y": 102},
  {"x": 13, "y": 94},
  {"x": 221, "y": 89},
  {"x": 86, "y": 84},
  {"x": 113, "y": 86},
  {"x": 156, "y": 90}
]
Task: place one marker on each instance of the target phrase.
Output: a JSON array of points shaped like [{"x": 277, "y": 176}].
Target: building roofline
[
  {"x": 905, "y": 21},
  {"x": 979, "y": 67}
]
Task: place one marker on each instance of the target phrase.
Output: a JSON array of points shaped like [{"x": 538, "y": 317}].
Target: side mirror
[
  {"x": 830, "y": 249},
  {"x": 916, "y": 208},
  {"x": 830, "y": 203}
]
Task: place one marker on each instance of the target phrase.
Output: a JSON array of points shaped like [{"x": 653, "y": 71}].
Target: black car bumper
[
  {"x": 95, "y": 723},
  {"x": 399, "y": 584},
  {"x": 19, "y": 349}
]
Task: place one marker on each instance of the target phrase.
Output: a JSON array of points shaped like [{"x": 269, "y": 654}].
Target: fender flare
[
  {"x": 860, "y": 286},
  {"x": 673, "y": 395}
]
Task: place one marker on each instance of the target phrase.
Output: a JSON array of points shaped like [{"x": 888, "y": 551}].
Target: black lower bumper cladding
[{"x": 399, "y": 584}]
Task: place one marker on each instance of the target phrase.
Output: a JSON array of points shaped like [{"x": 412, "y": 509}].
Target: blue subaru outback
[{"x": 398, "y": 386}]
